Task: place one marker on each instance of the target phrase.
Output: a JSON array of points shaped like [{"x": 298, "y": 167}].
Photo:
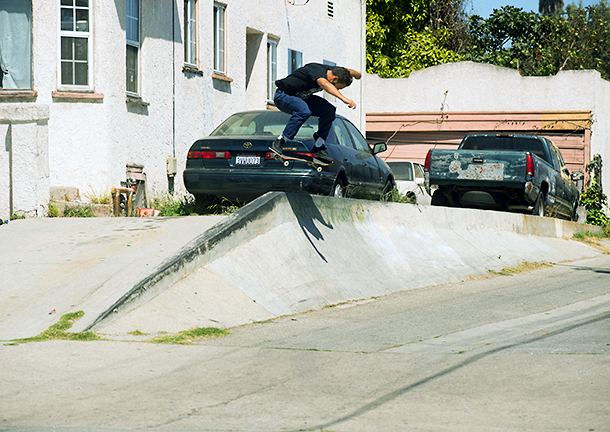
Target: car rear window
[
  {"x": 505, "y": 143},
  {"x": 269, "y": 124},
  {"x": 402, "y": 170}
]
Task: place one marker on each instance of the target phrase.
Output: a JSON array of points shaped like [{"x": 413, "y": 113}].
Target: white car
[{"x": 409, "y": 178}]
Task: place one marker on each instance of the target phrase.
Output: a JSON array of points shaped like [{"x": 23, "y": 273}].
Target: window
[
  {"x": 359, "y": 141},
  {"x": 75, "y": 44},
  {"x": 271, "y": 67},
  {"x": 133, "y": 45},
  {"x": 190, "y": 32},
  {"x": 220, "y": 39},
  {"x": 15, "y": 44},
  {"x": 295, "y": 60}
]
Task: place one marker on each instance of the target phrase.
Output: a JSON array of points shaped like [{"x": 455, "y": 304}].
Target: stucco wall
[
  {"x": 91, "y": 141},
  {"x": 476, "y": 87}
]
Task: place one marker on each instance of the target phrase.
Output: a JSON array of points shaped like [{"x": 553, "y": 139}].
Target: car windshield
[
  {"x": 264, "y": 124},
  {"x": 402, "y": 170}
]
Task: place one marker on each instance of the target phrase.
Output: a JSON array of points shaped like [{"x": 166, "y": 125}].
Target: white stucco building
[
  {"x": 437, "y": 106},
  {"x": 93, "y": 92}
]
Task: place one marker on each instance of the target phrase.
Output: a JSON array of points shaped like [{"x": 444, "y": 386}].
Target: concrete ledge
[{"x": 290, "y": 253}]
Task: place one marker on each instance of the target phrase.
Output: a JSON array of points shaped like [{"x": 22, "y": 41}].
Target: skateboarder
[{"x": 295, "y": 96}]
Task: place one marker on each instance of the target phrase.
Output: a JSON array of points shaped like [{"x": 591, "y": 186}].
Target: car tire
[
  {"x": 539, "y": 209},
  {"x": 575, "y": 204},
  {"x": 338, "y": 190},
  {"x": 386, "y": 193},
  {"x": 439, "y": 199}
]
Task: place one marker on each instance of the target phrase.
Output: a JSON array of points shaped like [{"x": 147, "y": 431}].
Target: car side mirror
[
  {"x": 379, "y": 147},
  {"x": 419, "y": 180},
  {"x": 577, "y": 175}
]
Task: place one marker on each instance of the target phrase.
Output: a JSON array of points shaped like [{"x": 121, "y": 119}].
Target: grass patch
[
  {"x": 395, "y": 196},
  {"x": 583, "y": 235},
  {"x": 188, "y": 205},
  {"x": 58, "y": 331},
  {"x": 99, "y": 197},
  {"x": 83, "y": 211},
  {"x": 188, "y": 336},
  {"x": 524, "y": 267},
  {"x": 593, "y": 239},
  {"x": 137, "y": 333}
]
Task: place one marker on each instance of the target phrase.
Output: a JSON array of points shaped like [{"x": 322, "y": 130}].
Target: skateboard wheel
[{"x": 286, "y": 163}]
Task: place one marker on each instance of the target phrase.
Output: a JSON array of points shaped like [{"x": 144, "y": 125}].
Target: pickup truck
[{"x": 504, "y": 172}]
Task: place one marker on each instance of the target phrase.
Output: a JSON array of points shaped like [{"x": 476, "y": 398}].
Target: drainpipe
[
  {"x": 362, "y": 64},
  {"x": 171, "y": 161}
]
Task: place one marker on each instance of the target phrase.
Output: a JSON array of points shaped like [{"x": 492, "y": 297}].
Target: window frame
[
  {"x": 220, "y": 38},
  {"x": 271, "y": 67},
  {"x": 191, "y": 20},
  {"x": 87, "y": 35},
  {"x": 295, "y": 60},
  {"x": 132, "y": 43}
]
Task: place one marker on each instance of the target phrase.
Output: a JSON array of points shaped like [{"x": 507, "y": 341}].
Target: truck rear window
[{"x": 504, "y": 143}]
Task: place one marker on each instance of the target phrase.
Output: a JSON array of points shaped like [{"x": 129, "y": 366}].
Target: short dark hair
[{"x": 343, "y": 74}]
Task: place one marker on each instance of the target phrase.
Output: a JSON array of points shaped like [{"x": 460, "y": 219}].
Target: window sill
[
  {"x": 222, "y": 78},
  {"x": 18, "y": 94},
  {"x": 136, "y": 101},
  {"x": 84, "y": 96},
  {"x": 192, "y": 70}
]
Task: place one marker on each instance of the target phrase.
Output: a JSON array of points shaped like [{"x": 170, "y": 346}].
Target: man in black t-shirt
[{"x": 295, "y": 96}]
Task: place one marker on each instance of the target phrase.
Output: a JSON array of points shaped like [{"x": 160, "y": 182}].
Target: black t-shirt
[{"x": 302, "y": 82}]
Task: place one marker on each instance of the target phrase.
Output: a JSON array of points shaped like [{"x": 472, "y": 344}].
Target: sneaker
[
  {"x": 321, "y": 153},
  {"x": 278, "y": 145}
]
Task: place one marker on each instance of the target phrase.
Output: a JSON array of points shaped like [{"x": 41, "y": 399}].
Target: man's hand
[{"x": 350, "y": 103}]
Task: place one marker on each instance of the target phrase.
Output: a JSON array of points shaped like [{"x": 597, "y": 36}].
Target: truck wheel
[
  {"x": 575, "y": 205},
  {"x": 539, "y": 207},
  {"x": 439, "y": 199}
]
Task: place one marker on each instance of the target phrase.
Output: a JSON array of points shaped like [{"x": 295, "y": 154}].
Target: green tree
[
  {"x": 403, "y": 36},
  {"x": 541, "y": 45}
]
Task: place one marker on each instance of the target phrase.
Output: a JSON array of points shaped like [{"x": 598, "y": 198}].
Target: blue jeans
[{"x": 301, "y": 110}]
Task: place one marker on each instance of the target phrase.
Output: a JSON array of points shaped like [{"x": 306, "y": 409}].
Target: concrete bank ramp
[{"x": 289, "y": 253}]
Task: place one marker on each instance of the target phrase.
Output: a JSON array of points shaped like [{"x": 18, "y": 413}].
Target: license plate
[{"x": 247, "y": 160}]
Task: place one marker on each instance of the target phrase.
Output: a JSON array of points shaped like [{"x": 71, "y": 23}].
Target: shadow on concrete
[{"x": 307, "y": 213}]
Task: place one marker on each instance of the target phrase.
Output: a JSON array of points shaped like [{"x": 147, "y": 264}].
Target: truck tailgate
[{"x": 485, "y": 167}]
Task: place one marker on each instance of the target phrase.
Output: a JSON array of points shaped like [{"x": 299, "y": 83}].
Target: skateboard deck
[{"x": 312, "y": 162}]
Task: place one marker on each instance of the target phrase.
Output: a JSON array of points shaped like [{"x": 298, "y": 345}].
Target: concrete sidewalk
[
  {"x": 281, "y": 254},
  {"x": 53, "y": 266}
]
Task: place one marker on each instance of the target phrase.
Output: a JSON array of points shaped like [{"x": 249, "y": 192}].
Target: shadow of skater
[{"x": 307, "y": 213}]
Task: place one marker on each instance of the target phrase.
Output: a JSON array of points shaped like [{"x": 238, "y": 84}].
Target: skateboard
[{"x": 313, "y": 162}]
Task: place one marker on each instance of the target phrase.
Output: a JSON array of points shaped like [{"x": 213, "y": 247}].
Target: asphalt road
[{"x": 529, "y": 352}]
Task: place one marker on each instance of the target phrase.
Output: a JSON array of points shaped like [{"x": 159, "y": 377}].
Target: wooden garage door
[{"x": 410, "y": 136}]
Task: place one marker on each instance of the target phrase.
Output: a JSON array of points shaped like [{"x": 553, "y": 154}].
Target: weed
[
  {"x": 53, "y": 209},
  {"x": 186, "y": 337},
  {"x": 585, "y": 234},
  {"x": 137, "y": 333},
  {"x": 99, "y": 198},
  {"x": 395, "y": 196},
  {"x": 524, "y": 267},
  {"x": 58, "y": 331},
  {"x": 17, "y": 216},
  {"x": 188, "y": 205},
  {"x": 78, "y": 211}
]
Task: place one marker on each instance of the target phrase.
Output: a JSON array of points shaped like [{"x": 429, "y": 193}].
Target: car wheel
[
  {"x": 575, "y": 205},
  {"x": 338, "y": 189},
  {"x": 539, "y": 207},
  {"x": 386, "y": 193},
  {"x": 439, "y": 199}
]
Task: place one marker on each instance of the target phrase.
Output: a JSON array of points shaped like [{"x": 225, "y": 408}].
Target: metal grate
[{"x": 331, "y": 9}]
